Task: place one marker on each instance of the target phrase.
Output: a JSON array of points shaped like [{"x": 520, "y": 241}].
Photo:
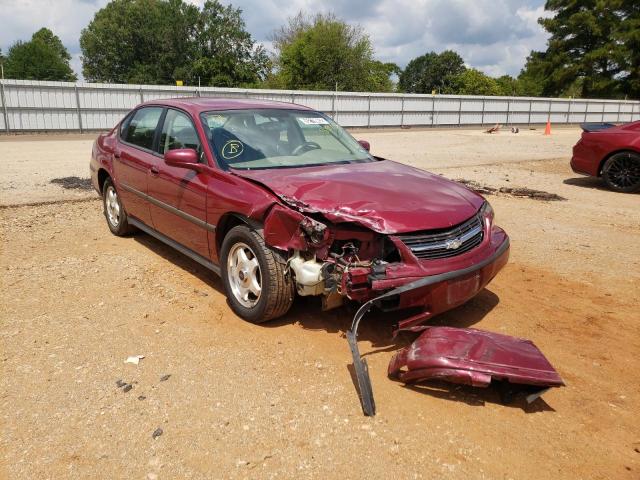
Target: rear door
[
  {"x": 134, "y": 159},
  {"x": 177, "y": 195}
]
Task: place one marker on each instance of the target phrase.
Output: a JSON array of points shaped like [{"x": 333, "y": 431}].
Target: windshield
[{"x": 272, "y": 138}]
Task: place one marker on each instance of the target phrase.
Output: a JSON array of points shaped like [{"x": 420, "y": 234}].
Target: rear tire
[
  {"x": 621, "y": 172},
  {"x": 254, "y": 276},
  {"x": 114, "y": 211}
]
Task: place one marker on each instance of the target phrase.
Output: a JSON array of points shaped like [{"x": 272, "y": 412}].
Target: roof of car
[{"x": 203, "y": 104}]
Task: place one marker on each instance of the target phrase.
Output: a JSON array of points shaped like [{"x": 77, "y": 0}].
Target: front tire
[
  {"x": 621, "y": 172},
  {"x": 254, "y": 276},
  {"x": 114, "y": 211}
]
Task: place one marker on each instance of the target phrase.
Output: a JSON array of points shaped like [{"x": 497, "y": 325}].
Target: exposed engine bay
[{"x": 335, "y": 262}]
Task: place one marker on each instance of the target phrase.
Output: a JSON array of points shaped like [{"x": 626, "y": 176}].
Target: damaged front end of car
[{"x": 343, "y": 259}]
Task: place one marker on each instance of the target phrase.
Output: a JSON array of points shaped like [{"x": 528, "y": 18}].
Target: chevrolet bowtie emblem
[{"x": 453, "y": 244}]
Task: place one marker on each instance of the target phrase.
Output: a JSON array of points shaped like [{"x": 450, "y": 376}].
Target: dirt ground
[{"x": 277, "y": 400}]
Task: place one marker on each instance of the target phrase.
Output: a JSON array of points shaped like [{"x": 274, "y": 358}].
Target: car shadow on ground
[
  {"x": 178, "y": 259},
  {"x": 377, "y": 326},
  {"x": 594, "y": 183},
  {"x": 477, "y": 396}
]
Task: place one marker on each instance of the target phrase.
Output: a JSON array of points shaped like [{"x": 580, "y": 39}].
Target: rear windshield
[{"x": 272, "y": 138}]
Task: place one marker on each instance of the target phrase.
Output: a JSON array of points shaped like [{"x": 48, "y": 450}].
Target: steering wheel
[{"x": 305, "y": 147}]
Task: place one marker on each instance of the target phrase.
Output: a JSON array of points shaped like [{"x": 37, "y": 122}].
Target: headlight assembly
[{"x": 487, "y": 212}]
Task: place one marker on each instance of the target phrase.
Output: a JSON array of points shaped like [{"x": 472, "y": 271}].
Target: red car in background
[
  {"x": 611, "y": 152},
  {"x": 278, "y": 199}
]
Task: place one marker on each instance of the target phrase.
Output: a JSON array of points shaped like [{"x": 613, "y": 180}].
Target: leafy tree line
[
  {"x": 446, "y": 73},
  {"x": 593, "y": 51}
]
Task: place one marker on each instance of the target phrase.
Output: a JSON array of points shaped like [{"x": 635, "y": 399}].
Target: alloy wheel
[
  {"x": 112, "y": 206},
  {"x": 243, "y": 271},
  {"x": 624, "y": 171}
]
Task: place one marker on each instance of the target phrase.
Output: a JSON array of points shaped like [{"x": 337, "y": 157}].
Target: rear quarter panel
[
  {"x": 618, "y": 141},
  {"x": 102, "y": 157}
]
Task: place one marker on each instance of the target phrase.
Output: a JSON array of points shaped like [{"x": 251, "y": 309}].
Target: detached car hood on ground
[{"x": 385, "y": 196}]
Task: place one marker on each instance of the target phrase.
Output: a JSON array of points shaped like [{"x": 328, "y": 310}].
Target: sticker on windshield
[
  {"x": 232, "y": 149},
  {"x": 314, "y": 121}
]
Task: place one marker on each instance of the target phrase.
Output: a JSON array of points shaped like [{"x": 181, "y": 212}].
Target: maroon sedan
[
  {"x": 611, "y": 152},
  {"x": 278, "y": 199}
]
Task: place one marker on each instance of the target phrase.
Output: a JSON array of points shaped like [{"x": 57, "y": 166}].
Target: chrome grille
[{"x": 445, "y": 243}]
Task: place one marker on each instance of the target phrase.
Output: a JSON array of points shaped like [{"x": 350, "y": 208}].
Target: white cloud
[
  {"x": 21, "y": 18},
  {"x": 492, "y": 35},
  {"x": 76, "y": 63}
]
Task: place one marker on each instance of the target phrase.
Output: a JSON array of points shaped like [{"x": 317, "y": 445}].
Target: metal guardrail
[{"x": 49, "y": 106}]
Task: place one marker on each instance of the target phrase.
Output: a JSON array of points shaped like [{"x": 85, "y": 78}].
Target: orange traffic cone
[{"x": 547, "y": 130}]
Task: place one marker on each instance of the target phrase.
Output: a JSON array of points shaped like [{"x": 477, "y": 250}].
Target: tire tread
[{"x": 280, "y": 300}]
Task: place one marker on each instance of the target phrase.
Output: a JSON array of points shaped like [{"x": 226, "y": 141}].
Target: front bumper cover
[{"x": 473, "y": 357}]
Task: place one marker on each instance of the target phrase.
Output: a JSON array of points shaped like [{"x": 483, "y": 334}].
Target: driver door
[{"x": 178, "y": 195}]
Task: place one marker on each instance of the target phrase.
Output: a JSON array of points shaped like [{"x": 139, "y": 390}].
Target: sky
[{"x": 494, "y": 36}]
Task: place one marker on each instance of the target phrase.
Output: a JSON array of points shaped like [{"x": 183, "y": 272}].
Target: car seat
[{"x": 220, "y": 137}]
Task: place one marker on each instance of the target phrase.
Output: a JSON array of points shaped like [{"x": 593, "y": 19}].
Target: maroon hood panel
[
  {"x": 473, "y": 357},
  {"x": 385, "y": 196}
]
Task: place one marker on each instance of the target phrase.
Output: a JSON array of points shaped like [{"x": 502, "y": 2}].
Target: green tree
[
  {"x": 380, "y": 74},
  {"x": 581, "y": 47},
  {"x": 508, "y": 85},
  {"x": 474, "y": 82},
  {"x": 137, "y": 41},
  {"x": 627, "y": 37},
  {"x": 44, "y": 57},
  {"x": 325, "y": 53},
  {"x": 160, "y": 41},
  {"x": 226, "y": 55},
  {"x": 593, "y": 50},
  {"x": 431, "y": 71},
  {"x": 532, "y": 76}
]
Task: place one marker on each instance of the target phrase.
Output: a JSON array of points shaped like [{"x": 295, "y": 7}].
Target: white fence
[{"x": 45, "y": 106}]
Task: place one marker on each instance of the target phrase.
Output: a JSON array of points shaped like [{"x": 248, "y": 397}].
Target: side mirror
[
  {"x": 183, "y": 158},
  {"x": 366, "y": 145}
]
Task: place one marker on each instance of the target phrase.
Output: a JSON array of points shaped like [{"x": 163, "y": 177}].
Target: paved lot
[{"x": 277, "y": 401}]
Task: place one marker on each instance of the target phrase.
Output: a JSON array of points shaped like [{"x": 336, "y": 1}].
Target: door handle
[{"x": 154, "y": 171}]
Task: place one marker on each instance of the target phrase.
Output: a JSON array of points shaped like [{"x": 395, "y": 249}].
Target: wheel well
[
  {"x": 102, "y": 176},
  {"x": 611, "y": 154},
  {"x": 226, "y": 223}
]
